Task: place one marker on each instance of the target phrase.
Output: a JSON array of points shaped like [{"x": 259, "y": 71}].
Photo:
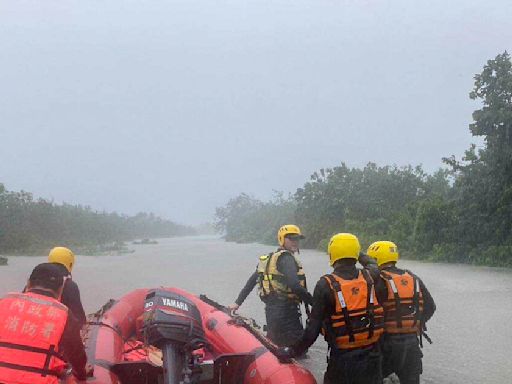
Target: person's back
[
  {"x": 65, "y": 260},
  {"x": 346, "y": 309},
  {"x": 408, "y": 305},
  {"x": 37, "y": 333}
]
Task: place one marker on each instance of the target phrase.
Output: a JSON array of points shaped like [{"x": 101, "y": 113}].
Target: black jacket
[
  {"x": 71, "y": 297},
  {"x": 287, "y": 266},
  {"x": 71, "y": 346}
]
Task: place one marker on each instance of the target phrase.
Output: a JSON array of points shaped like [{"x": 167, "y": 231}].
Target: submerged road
[{"x": 470, "y": 330}]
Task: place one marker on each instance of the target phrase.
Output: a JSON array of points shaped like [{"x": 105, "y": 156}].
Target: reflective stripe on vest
[
  {"x": 403, "y": 307},
  {"x": 31, "y": 326},
  {"x": 357, "y": 320},
  {"x": 271, "y": 280}
]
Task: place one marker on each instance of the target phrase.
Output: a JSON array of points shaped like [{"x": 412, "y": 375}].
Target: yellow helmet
[
  {"x": 383, "y": 252},
  {"x": 62, "y": 255},
  {"x": 288, "y": 229},
  {"x": 343, "y": 246}
]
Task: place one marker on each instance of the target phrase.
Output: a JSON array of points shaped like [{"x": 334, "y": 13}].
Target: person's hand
[
  {"x": 366, "y": 260},
  {"x": 233, "y": 308},
  {"x": 89, "y": 370},
  {"x": 284, "y": 354}
]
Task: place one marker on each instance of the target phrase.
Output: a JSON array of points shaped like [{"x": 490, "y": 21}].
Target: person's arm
[
  {"x": 288, "y": 267},
  {"x": 71, "y": 299},
  {"x": 73, "y": 349},
  {"x": 429, "y": 306},
  {"x": 249, "y": 285},
  {"x": 370, "y": 264},
  {"x": 321, "y": 300},
  {"x": 366, "y": 260}
]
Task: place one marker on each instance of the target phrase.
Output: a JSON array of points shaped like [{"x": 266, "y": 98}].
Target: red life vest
[
  {"x": 31, "y": 326},
  {"x": 357, "y": 320},
  {"x": 403, "y": 308}
]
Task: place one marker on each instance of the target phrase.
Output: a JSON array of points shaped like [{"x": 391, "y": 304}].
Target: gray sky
[{"x": 176, "y": 106}]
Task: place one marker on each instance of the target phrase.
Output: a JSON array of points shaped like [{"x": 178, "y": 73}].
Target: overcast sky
[{"x": 176, "y": 106}]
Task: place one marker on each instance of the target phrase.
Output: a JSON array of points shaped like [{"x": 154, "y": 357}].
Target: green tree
[{"x": 483, "y": 180}]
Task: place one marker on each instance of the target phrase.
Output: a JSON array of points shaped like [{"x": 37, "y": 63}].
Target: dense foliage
[
  {"x": 29, "y": 225},
  {"x": 460, "y": 214},
  {"x": 245, "y": 219}
]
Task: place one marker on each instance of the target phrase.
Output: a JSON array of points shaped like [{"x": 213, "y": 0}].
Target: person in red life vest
[
  {"x": 38, "y": 336},
  {"x": 408, "y": 305},
  {"x": 346, "y": 310}
]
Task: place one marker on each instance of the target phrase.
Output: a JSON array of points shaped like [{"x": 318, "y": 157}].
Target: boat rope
[{"x": 247, "y": 323}]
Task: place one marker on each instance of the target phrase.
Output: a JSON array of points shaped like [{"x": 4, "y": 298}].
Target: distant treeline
[
  {"x": 461, "y": 213},
  {"x": 31, "y": 226}
]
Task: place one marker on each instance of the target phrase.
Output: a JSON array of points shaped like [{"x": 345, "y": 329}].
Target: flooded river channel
[{"x": 470, "y": 330}]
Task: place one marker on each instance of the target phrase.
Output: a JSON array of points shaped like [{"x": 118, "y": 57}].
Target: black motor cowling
[
  {"x": 169, "y": 317},
  {"x": 173, "y": 324}
]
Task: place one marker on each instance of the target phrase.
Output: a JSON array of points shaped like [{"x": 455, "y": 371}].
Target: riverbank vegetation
[
  {"x": 32, "y": 226},
  {"x": 460, "y": 213}
]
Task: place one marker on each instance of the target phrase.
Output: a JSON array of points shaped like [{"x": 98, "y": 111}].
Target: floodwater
[{"x": 470, "y": 330}]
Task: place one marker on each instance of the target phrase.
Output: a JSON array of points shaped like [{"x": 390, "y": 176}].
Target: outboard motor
[{"x": 173, "y": 324}]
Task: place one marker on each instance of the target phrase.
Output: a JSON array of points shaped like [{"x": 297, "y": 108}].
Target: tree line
[
  {"x": 460, "y": 213},
  {"x": 29, "y": 225}
]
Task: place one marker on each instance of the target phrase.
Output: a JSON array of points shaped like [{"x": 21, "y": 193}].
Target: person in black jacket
[
  {"x": 346, "y": 311},
  {"x": 408, "y": 305},
  {"x": 64, "y": 258},
  {"x": 282, "y": 287}
]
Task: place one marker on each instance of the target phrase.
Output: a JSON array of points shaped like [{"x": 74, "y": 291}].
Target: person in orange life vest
[
  {"x": 38, "y": 336},
  {"x": 346, "y": 310},
  {"x": 408, "y": 305}
]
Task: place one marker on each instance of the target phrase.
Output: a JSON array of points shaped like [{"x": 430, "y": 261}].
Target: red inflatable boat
[{"x": 168, "y": 336}]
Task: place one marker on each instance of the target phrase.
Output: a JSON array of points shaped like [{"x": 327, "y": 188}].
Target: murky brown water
[{"x": 472, "y": 337}]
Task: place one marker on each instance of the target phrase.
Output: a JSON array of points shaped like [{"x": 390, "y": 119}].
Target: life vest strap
[
  {"x": 370, "y": 305},
  {"x": 396, "y": 297},
  {"x": 415, "y": 298},
  {"x": 343, "y": 304},
  {"x": 43, "y": 372},
  {"x": 51, "y": 351},
  {"x": 341, "y": 330},
  {"x": 267, "y": 267}
]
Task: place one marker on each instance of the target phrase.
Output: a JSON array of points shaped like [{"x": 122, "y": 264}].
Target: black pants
[
  {"x": 284, "y": 322},
  {"x": 354, "y": 367},
  {"x": 402, "y": 355}
]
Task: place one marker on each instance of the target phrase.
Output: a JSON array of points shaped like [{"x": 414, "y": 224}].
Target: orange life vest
[
  {"x": 357, "y": 320},
  {"x": 403, "y": 308},
  {"x": 31, "y": 326}
]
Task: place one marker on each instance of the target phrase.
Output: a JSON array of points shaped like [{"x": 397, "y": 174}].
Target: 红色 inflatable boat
[{"x": 169, "y": 336}]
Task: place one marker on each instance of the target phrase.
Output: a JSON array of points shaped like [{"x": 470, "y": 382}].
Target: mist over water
[{"x": 470, "y": 328}]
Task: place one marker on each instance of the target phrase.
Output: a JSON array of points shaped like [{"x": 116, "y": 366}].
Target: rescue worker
[
  {"x": 64, "y": 258},
  {"x": 282, "y": 287},
  {"x": 38, "y": 337},
  {"x": 347, "y": 312},
  {"x": 408, "y": 305}
]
